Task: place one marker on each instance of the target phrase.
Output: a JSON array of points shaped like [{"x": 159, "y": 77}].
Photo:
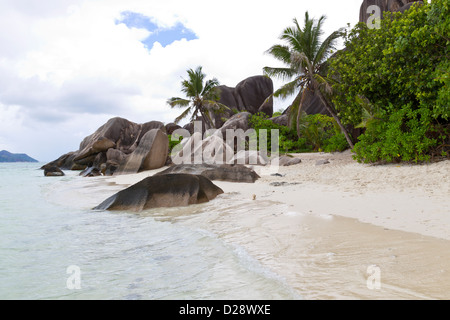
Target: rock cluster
[{"x": 119, "y": 145}]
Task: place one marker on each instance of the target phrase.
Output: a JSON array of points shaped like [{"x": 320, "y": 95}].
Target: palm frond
[
  {"x": 188, "y": 88},
  {"x": 293, "y": 37},
  {"x": 307, "y": 39},
  {"x": 209, "y": 87},
  {"x": 194, "y": 86},
  {"x": 281, "y": 53},
  {"x": 287, "y": 89},
  {"x": 280, "y": 73},
  {"x": 178, "y": 102},
  {"x": 328, "y": 45},
  {"x": 316, "y": 37},
  {"x": 198, "y": 80},
  {"x": 183, "y": 115}
]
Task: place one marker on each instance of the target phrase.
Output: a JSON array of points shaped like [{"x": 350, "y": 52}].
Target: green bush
[
  {"x": 336, "y": 143},
  {"x": 402, "y": 136},
  {"x": 322, "y": 133},
  {"x": 173, "y": 143},
  {"x": 318, "y": 133},
  {"x": 287, "y": 136},
  {"x": 393, "y": 82}
]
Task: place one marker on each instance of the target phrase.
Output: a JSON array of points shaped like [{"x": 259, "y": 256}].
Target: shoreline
[
  {"x": 410, "y": 198},
  {"x": 322, "y": 226}
]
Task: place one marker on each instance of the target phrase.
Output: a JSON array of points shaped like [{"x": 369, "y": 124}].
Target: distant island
[{"x": 6, "y": 156}]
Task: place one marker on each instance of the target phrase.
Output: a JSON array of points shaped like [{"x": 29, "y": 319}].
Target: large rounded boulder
[
  {"x": 151, "y": 153},
  {"x": 163, "y": 191},
  {"x": 253, "y": 95}
]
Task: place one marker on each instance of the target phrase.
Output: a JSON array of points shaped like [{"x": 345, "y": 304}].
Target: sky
[{"x": 68, "y": 66}]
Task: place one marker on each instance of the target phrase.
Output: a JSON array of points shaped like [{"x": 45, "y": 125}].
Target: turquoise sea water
[{"x": 53, "y": 246}]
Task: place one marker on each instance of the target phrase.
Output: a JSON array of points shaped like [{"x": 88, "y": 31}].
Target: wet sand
[{"x": 342, "y": 230}]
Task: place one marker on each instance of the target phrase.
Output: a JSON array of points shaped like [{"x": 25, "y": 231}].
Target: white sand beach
[{"x": 321, "y": 227}]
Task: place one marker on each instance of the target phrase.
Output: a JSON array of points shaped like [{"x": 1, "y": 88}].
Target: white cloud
[{"x": 66, "y": 67}]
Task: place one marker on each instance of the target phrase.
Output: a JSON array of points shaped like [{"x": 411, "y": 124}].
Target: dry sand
[{"x": 324, "y": 228}]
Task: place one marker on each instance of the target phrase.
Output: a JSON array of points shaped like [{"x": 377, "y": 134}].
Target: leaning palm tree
[
  {"x": 304, "y": 56},
  {"x": 202, "y": 98}
]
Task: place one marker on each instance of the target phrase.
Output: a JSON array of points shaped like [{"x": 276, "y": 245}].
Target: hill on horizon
[{"x": 6, "y": 156}]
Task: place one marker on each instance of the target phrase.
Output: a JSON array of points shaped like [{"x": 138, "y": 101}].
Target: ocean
[{"x": 53, "y": 246}]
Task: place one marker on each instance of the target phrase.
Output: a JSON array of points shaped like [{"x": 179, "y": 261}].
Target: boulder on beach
[
  {"x": 171, "y": 127},
  {"x": 116, "y": 134},
  {"x": 250, "y": 157},
  {"x": 65, "y": 162},
  {"x": 212, "y": 149},
  {"x": 287, "y": 161},
  {"x": 236, "y": 122},
  {"x": 150, "y": 154},
  {"x": 91, "y": 172},
  {"x": 170, "y": 190},
  {"x": 251, "y": 95},
  {"x": 223, "y": 172},
  {"x": 53, "y": 171}
]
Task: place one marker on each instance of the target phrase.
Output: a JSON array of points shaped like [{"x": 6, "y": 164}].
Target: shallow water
[
  {"x": 47, "y": 226},
  {"x": 230, "y": 248},
  {"x": 328, "y": 257}
]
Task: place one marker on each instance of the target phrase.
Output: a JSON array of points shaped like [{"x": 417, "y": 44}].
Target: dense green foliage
[
  {"x": 317, "y": 133},
  {"x": 393, "y": 82},
  {"x": 322, "y": 133}
]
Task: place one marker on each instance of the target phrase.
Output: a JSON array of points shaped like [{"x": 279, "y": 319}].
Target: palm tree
[
  {"x": 305, "y": 56},
  {"x": 202, "y": 97}
]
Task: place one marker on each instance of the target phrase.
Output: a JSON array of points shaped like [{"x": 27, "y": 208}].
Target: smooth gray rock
[
  {"x": 322, "y": 162},
  {"x": 151, "y": 153},
  {"x": 250, "y": 95},
  {"x": 286, "y": 161},
  {"x": 91, "y": 172},
  {"x": 224, "y": 172},
  {"x": 169, "y": 190},
  {"x": 53, "y": 171},
  {"x": 280, "y": 120}
]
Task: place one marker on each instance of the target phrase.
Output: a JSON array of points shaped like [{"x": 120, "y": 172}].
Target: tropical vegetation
[
  {"x": 305, "y": 56},
  {"x": 393, "y": 82},
  {"x": 202, "y": 98},
  {"x": 318, "y": 132}
]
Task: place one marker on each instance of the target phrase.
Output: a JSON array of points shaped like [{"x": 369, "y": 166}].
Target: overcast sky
[{"x": 67, "y": 66}]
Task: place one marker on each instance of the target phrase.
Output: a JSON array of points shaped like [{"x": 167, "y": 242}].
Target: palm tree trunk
[
  {"x": 206, "y": 119},
  {"x": 330, "y": 109},
  {"x": 299, "y": 112},
  {"x": 292, "y": 109}
]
